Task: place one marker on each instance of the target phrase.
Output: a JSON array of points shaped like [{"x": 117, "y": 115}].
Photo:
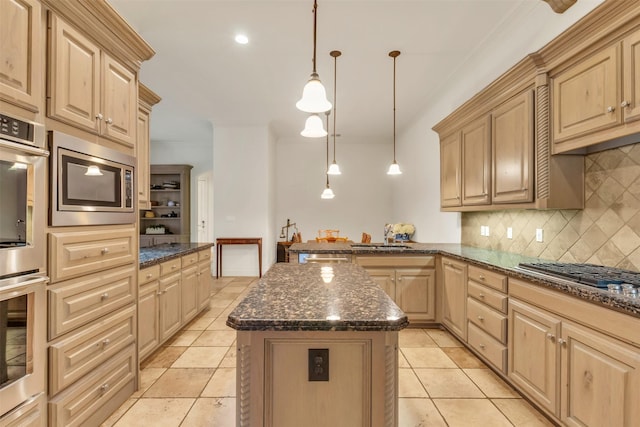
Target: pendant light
[
  {"x": 327, "y": 193},
  {"x": 394, "y": 168},
  {"x": 313, "y": 127},
  {"x": 334, "y": 169},
  {"x": 314, "y": 97}
]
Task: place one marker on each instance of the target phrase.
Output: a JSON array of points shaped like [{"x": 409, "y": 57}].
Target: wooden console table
[{"x": 237, "y": 241}]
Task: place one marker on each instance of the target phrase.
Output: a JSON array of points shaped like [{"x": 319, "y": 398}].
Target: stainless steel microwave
[{"x": 90, "y": 184}]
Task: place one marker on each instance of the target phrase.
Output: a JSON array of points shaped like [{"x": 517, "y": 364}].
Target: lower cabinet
[
  {"x": 454, "y": 296},
  {"x": 579, "y": 375},
  {"x": 408, "y": 280},
  {"x": 170, "y": 295},
  {"x": 32, "y": 413}
]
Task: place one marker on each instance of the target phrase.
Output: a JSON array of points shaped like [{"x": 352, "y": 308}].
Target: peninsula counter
[{"x": 293, "y": 312}]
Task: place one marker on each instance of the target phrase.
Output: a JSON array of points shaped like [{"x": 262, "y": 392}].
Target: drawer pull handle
[
  {"x": 149, "y": 275},
  {"x": 173, "y": 267},
  {"x": 99, "y": 116},
  {"x": 106, "y": 342},
  {"x": 481, "y": 277},
  {"x": 104, "y": 388},
  {"x": 104, "y": 296},
  {"x": 109, "y": 120},
  {"x": 482, "y": 346},
  {"x": 159, "y": 293},
  {"x": 551, "y": 337},
  {"x": 104, "y": 251},
  {"x": 480, "y": 318},
  {"x": 481, "y": 295}
]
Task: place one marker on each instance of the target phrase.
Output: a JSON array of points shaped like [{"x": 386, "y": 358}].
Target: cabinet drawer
[
  {"x": 76, "y": 302},
  {"x": 85, "y": 350},
  {"x": 204, "y": 254},
  {"x": 492, "y": 322},
  {"x": 396, "y": 261},
  {"x": 148, "y": 274},
  {"x": 76, "y": 406},
  {"x": 32, "y": 413},
  {"x": 488, "y": 296},
  {"x": 493, "y": 351},
  {"x": 189, "y": 260},
  {"x": 169, "y": 267},
  {"x": 76, "y": 253},
  {"x": 488, "y": 278}
]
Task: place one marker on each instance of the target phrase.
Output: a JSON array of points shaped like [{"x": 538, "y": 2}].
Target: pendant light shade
[
  {"x": 334, "y": 169},
  {"x": 327, "y": 193},
  {"x": 394, "y": 169},
  {"x": 314, "y": 97},
  {"x": 313, "y": 127}
]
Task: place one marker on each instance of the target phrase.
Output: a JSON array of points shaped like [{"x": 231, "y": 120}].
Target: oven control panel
[{"x": 16, "y": 129}]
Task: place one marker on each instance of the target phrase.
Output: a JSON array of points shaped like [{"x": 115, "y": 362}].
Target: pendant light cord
[
  {"x": 327, "y": 169},
  {"x": 394, "y": 109},
  {"x": 335, "y": 54},
  {"x": 315, "y": 23}
]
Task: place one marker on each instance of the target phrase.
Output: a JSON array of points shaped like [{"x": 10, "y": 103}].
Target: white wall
[
  {"x": 363, "y": 191},
  {"x": 243, "y": 197}
]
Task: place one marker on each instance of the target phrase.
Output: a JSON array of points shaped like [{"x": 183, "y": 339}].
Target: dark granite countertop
[
  {"x": 161, "y": 253},
  {"x": 316, "y": 297},
  {"x": 503, "y": 262}
]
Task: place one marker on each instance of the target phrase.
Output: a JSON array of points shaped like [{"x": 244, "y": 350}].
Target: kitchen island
[{"x": 317, "y": 345}]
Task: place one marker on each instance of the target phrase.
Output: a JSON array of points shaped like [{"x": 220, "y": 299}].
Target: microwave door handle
[{"x": 23, "y": 148}]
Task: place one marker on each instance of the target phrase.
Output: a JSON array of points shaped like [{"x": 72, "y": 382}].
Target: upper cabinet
[
  {"x": 147, "y": 98},
  {"x": 450, "y": 174},
  {"x": 88, "y": 88},
  {"x": 475, "y": 140},
  {"x": 20, "y": 54}
]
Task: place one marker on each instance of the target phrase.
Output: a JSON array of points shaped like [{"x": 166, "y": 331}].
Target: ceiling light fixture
[
  {"x": 394, "y": 168},
  {"x": 314, "y": 97},
  {"x": 93, "y": 170},
  {"x": 313, "y": 127},
  {"x": 327, "y": 193},
  {"x": 334, "y": 169},
  {"x": 241, "y": 39}
]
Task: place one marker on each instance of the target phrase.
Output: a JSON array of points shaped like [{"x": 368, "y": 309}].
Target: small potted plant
[{"x": 403, "y": 232}]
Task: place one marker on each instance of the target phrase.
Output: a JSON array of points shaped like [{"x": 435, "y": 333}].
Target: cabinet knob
[
  {"x": 482, "y": 346},
  {"x": 551, "y": 337},
  {"x": 393, "y": 280},
  {"x": 399, "y": 279},
  {"x": 611, "y": 109},
  {"x": 481, "y": 277},
  {"x": 106, "y": 342},
  {"x": 149, "y": 275},
  {"x": 104, "y": 388},
  {"x": 481, "y": 295},
  {"x": 562, "y": 342},
  {"x": 99, "y": 116},
  {"x": 104, "y": 296},
  {"x": 104, "y": 251},
  {"x": 481, "y": 318},
  {"x": 109, "y": 120},
  {"x": 159, "y": 293},
  {"x": 173, "y": 267},
  {"x": 625, "y": 104}
]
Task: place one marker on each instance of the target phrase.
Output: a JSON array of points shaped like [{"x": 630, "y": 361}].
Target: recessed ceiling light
[{"x": 242, "y": 39}]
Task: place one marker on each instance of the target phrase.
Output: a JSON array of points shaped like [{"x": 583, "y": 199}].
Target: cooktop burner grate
[{"x": 587, "y": 274}]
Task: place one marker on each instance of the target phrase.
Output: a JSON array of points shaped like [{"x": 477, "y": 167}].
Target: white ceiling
[{"x": 205, "y": 79}]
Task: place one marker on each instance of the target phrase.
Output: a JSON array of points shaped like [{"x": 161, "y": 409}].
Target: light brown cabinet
[
  {"x": 189, "y": 283},
  {"x": 148, "y": 309},
  {"x": 204, "y": 279},
  {"x": 574, "y": 360},
  {"x": 512, "y": 149},
  {"x": 454, "y": 296},
  {"x": 476, "y": 162},
  {"x": 170, "y": 305},
  {"x": 450, "y": 171},
  {"x": 598, "y": 99},
  {"x": 408, "y": 280},
  {"x": 20, "y": 54},
  {"x": 88, "y": 88},
  {"x": 147, "y": 99}
]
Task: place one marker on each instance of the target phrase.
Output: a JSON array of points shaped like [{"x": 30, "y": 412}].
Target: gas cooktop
[{"x": 587, "y": 274}]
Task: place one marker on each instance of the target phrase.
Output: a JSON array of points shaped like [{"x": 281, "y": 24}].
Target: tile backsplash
[{"x": 606, "y": 231}]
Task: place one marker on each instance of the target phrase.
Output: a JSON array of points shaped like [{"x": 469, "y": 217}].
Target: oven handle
[{"x": 14, "y": 146}]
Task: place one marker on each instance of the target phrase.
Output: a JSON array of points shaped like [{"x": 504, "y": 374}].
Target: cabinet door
[
  {"x": 20, "y": 53},
  {"x": 142, "y": 159},
  {"x": 148, "y": 317},
  {"x": 454, "y": 297},
  {"x": 512, "y": 132},
  {"x": 415, "y": 293},
  {"x": 189, "y": 293},
  {"x": 602, "y": 379},
  {"x": 585, "y": 96},
  {"x": 204, "y": 284},
  {"x": 476, "y": 162},
  {"x": 170, "y": 304},
  {"x": 119, "y": 102},
  {"x": 386, "y": 279},
  {"x": 631, "y": 79},
  {"x": 533, "y": 353},
  {"x": 450, "y": 171},
  {"x": 74, "y": 74}
]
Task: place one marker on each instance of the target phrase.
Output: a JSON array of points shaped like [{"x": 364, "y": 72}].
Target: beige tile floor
[{"x": 190, "y": 381}]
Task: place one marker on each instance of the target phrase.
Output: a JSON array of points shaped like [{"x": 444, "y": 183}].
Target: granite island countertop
[
  {"x": 499, "y": 261},
  {"x": 315, "y": 297},
  {"x": 161, "y": 253}
]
